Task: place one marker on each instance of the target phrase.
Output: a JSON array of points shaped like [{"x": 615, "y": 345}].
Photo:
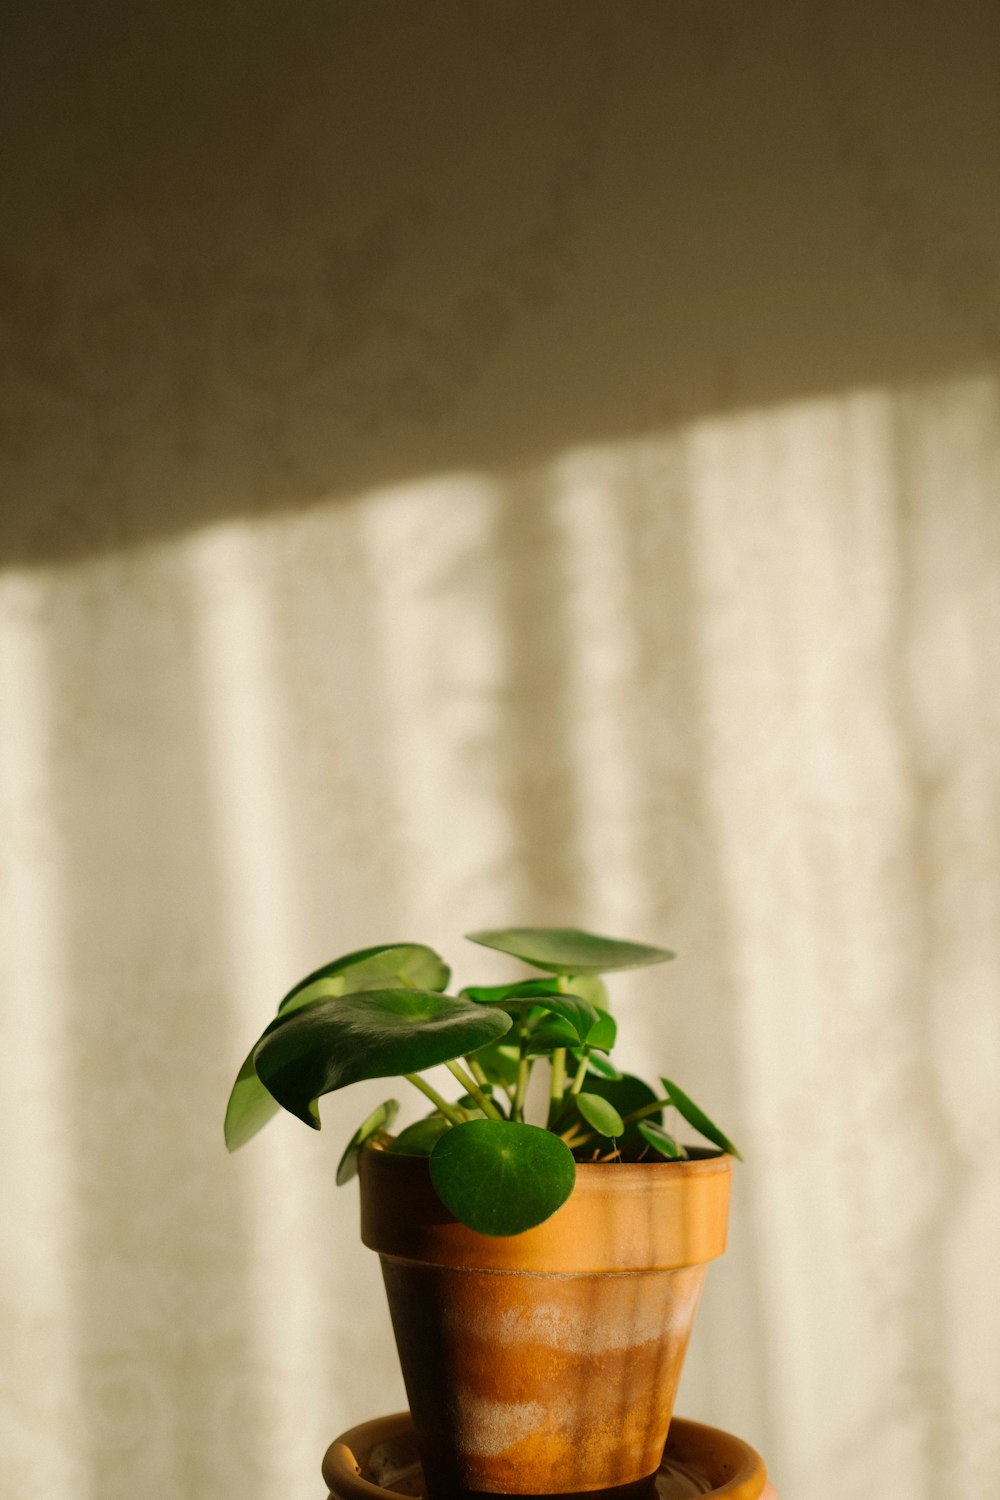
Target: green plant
[{"x": 383, "y": 1012}]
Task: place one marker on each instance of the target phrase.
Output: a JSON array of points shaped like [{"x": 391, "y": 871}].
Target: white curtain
[{"x": 730, "y": 688}]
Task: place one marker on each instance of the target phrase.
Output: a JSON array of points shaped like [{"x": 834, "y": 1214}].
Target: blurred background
[{"x": 468, "y": 464}]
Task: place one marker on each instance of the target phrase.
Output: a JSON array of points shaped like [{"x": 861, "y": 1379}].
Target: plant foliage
[{"x": 383, "y": 1013}]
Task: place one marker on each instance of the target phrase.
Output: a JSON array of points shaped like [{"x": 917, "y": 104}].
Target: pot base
[{"x": 378, "y": 1460}]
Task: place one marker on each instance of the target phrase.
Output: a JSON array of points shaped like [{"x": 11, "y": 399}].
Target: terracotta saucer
[{"x": 378, "y": 1459}]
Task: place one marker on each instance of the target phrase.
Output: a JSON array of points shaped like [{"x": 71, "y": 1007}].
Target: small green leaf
[
  {"x": 698, "y": 1118},
  {"x": 379, "y": 1119},
  {"x": 600, "y": 1115},
  {"x": 583, "y": 1018},
  {"x": 599, "y": 1065},
  {"x": 603, "y": 1033},
  {"x": 657, "y": 1137},
  {"x": 420, "y": 1138},
  {"x": 524, "y": 989},
  {"x": 500, "y": 1177},
  {"x": 590, "y": 987},
  {"x": 549, "y": 1034},
  {"x": 375, "y": 1034},
  {"x": 498, "y": 1061},
  {"x": 627, "y": 1094},
  {"x": 568, "y": 950}
]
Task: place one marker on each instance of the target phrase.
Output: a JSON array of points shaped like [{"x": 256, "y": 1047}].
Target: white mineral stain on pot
[
  {"x": 601, "y": 1327},
  {"x": 488, "y": 1428}
]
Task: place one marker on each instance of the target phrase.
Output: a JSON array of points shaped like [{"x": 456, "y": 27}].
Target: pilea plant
[{"x": 383, "y": 1012}]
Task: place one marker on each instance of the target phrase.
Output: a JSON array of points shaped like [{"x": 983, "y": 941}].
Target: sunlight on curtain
[
  {"x": 439, "y": 656},
  {"x": 731, "y": 687},
  {"x": 36, "y": 1225},
  {"x": 595, "y": 585},
  {"x": 246, "y": 760}
]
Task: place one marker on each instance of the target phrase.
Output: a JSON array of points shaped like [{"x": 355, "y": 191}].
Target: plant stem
[
  {"x": 451, "y": 1112},
  {"x": 523, "y": 1070},
  {"x": 470, "y": 1085},
  {"x": 581, "y": 1072},
  {"x": 647, "y": 1109},
  {"x": 557, "y": 1082},
  {"x": 476, "y": 1070}
]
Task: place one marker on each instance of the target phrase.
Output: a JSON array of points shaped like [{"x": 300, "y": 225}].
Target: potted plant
[{"x": 542, "y": 1276}]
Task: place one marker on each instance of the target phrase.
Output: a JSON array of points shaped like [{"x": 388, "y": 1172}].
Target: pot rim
[{"x": 620, "y": 1217}]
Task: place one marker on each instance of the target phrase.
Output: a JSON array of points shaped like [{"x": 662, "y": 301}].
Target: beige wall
[{"x": 465, "y": 463}]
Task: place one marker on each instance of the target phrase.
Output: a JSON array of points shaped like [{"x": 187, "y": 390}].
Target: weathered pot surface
[{"x": 547, "y": 1362}]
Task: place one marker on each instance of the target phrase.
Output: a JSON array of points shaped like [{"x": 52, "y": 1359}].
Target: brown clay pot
[{"x": 546, "y": 1363}]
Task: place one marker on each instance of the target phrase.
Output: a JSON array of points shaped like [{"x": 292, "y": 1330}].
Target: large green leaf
[
  {"x": 372, "y": 969},
  {"x": 250, "y": 1105},
  {"x": 698, "y": 1118},
  {"x": 568, "y": 950},
  {"x": 375, "y": 1034},
  {"x": 380, "y": 1119},
  {"x": 501, "y": 1177},
  {"x": 551, "y": 1033}
]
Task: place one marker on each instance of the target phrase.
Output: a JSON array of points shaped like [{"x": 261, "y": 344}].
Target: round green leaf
[
  {"x": 250, "y": 1105},
  {"x": 583, "y": 1018},
  {"x": 375, "y": 1034},
  {"x": 627, "y": 1094},
  {"x": 420, "y": 1138},
  {"x": 698, "y": 1118},
  {"x": 600, "y": 1115},
  {"x": 550, "y": 1034},
  {"x": 603, "y": 1033},
  {"x": 373, "y": 968},
  {"x": 380, "y": 1119},
  {"x": 599, "y": 1065},
  {"x": 658, "y": 1138},
  {"x": 590, "y": 987},
  {"x": 568, "y": 950},
  {"x": 500, "y": 1177},
  {"x": 526, "y": 989}
]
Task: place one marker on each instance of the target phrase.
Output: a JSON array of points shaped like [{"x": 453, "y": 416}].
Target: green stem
[
  {"x": 581, "y": 1072},
  {"x": 523, "y": 1071},
  {"x": 476, "y": 1069},
  {"x": 451, "y": 1112},
  {"x": 557, "y": 1082},
  {"x": 647, "y": 1109},
  {"x": 470, "y": 1086}
]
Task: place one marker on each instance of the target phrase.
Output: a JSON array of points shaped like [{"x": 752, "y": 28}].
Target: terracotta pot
[{"x": 547, "y": 1362}]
